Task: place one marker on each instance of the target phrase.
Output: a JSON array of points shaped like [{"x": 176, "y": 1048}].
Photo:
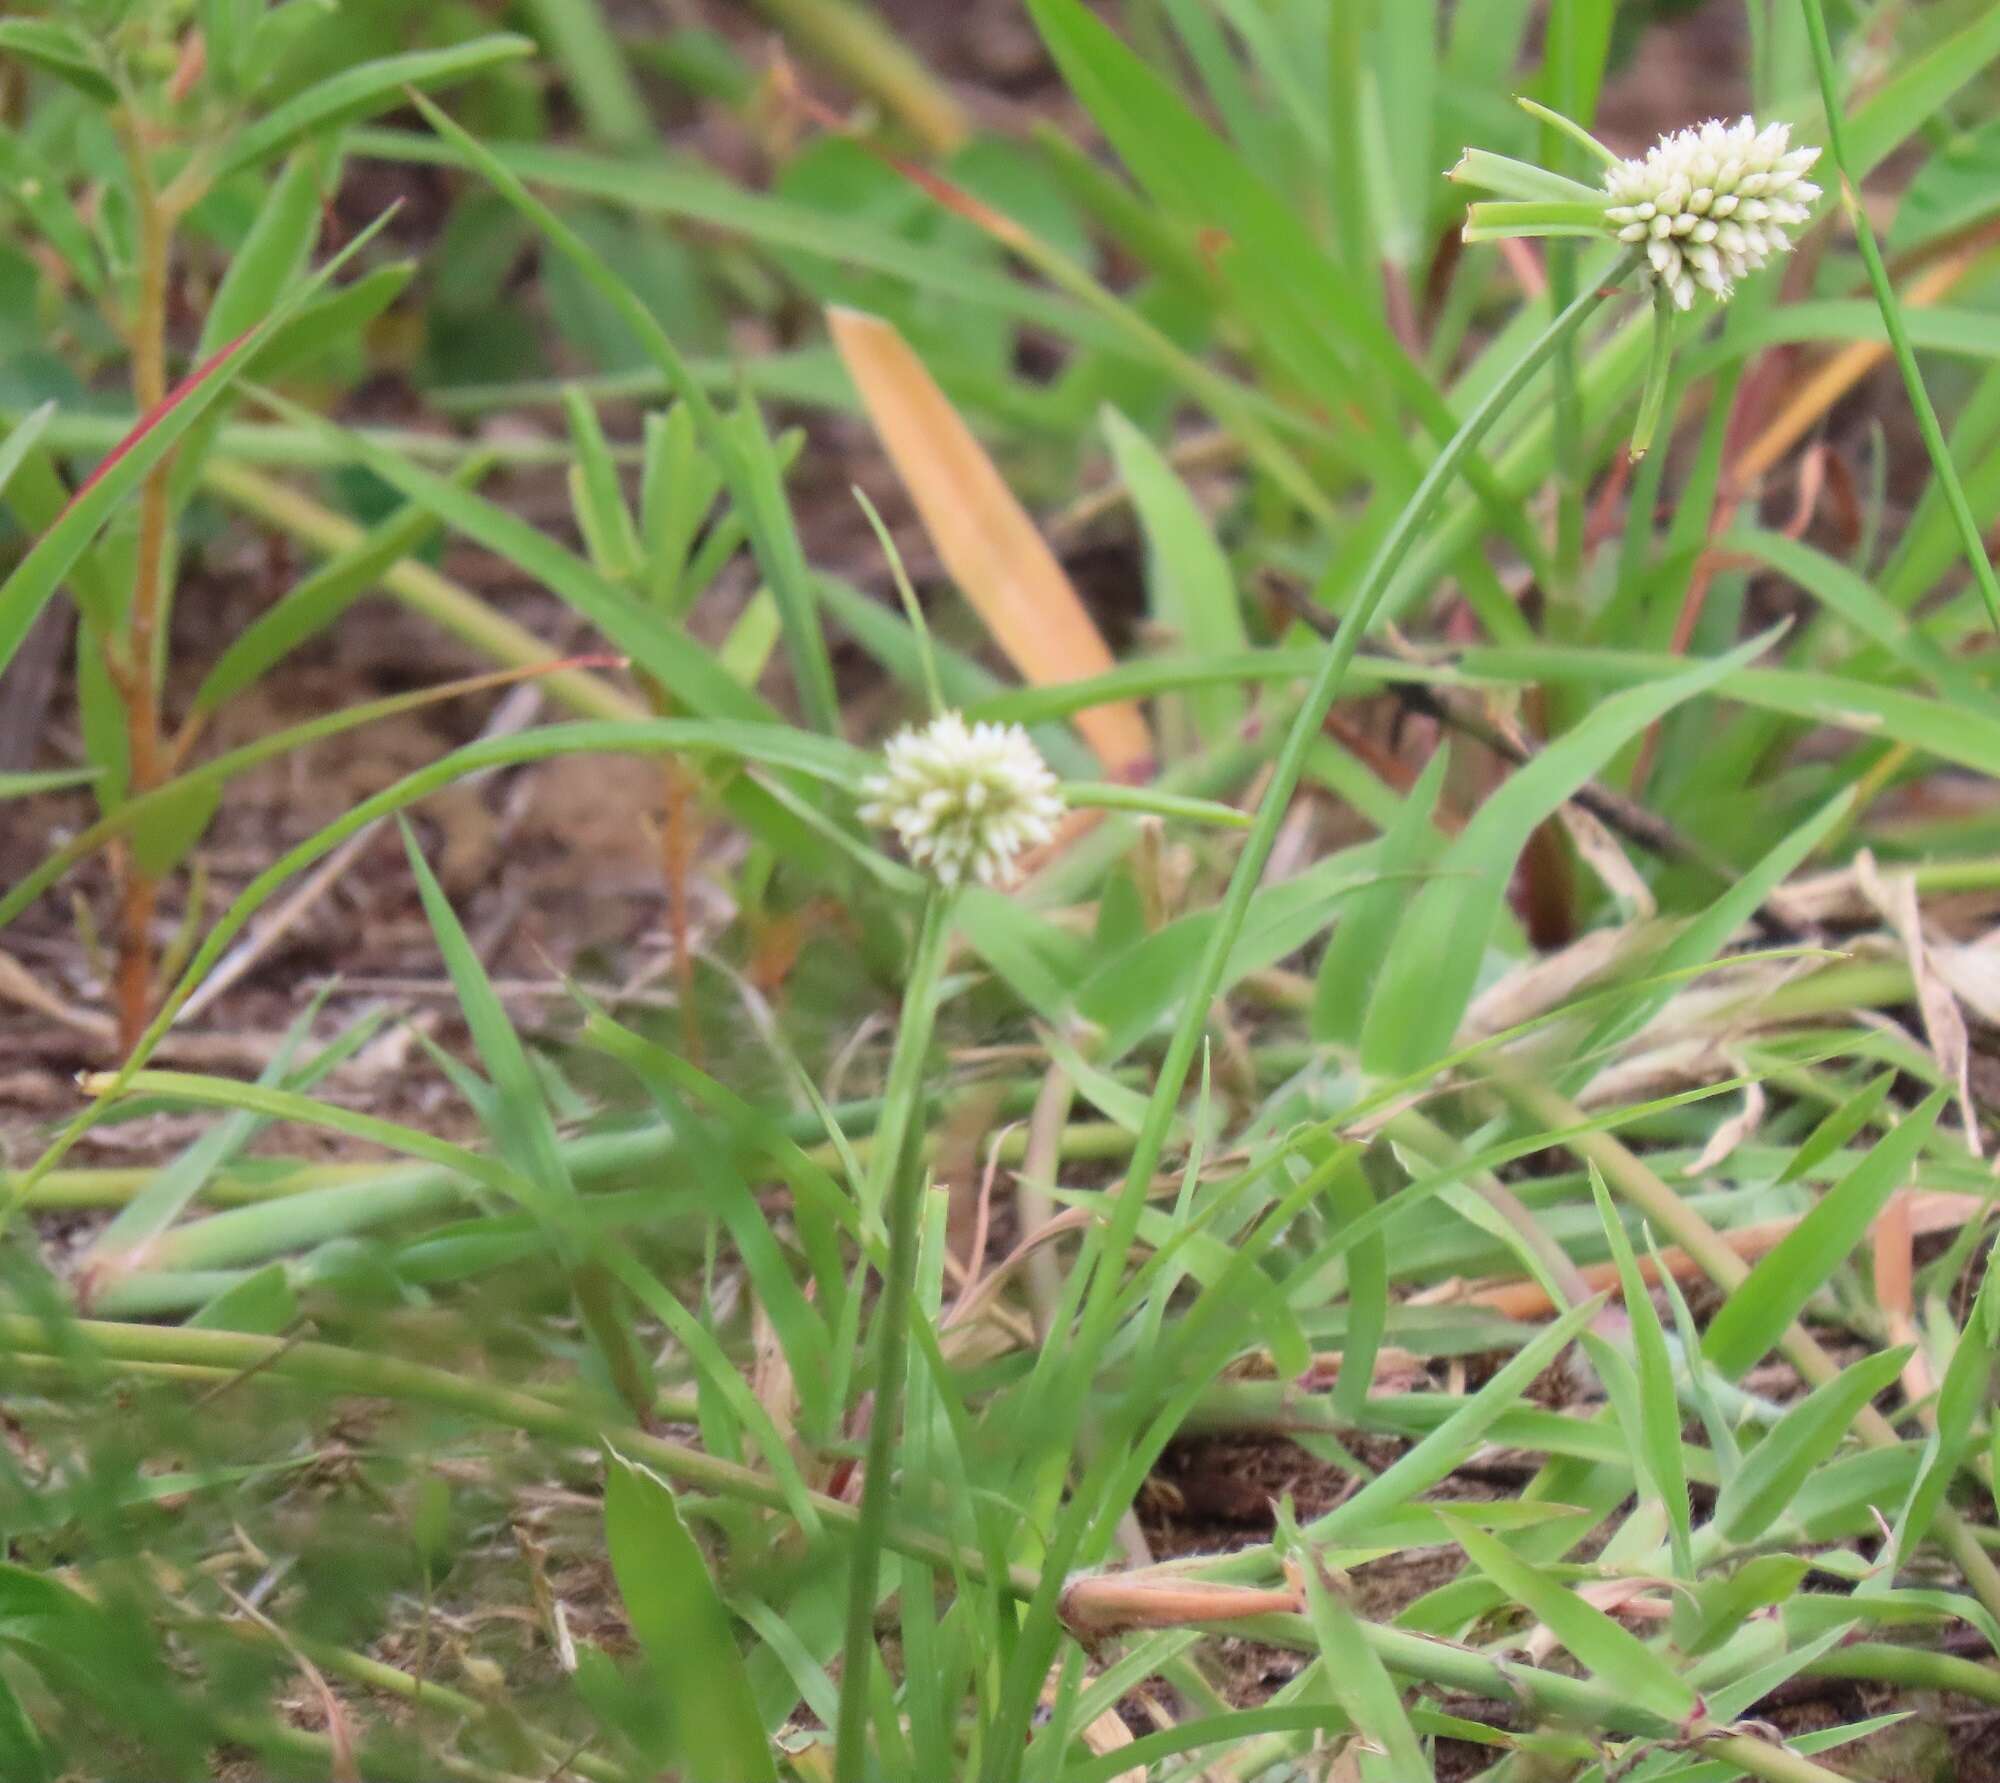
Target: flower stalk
[{"x": 896, "y": 1175}]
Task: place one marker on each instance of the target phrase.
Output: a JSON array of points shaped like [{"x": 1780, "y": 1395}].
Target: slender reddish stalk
[{"x": 137, "y": 675}]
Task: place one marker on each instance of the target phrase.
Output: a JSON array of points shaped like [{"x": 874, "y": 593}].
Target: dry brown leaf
[
  {"x": 984, "y": 536},
  {"x": 1934, "y": 1210},
  {"x": 1110, "y": 1603},
  {"x": 1108, "y": 1733},
  {"x": 1542, "y": 984},
  {"x": 19, "y": 985},
  {"x": 1974, "y": 976},
  {"x": 1895, "y": 1268},
  {"x": 1732, "y": 1133},
  {"x": 1628, "y": 1597},
  {"x": 1600, "y": 852},
  {"x": 1895, "y": 895}
]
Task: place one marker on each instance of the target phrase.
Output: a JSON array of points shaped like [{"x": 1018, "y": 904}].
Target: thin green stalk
[
  {"x": 896, "y": 1176},
  {"x": 1892, "y": 319},
  {"x": 1559, "y": 60},
  {"x": 1659, "y": 373},
  {"x": 1113, "y": 1242}
]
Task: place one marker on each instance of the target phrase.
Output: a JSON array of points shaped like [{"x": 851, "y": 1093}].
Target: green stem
[
  {"x": 895, "y": 1175},
  {"x": 1112, "y": 1244},
  {"x": 1659, "y": 369},
  {"x": 1892, "y": 319},
  {"x": 1914, "y": 1668}
]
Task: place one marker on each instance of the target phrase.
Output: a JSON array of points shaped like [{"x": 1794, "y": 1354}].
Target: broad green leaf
[
  {"x": 1956, "y": 188},
  {"x": 1915, "y": 94},
  {"x": 681, "y": 1624},
  {"x": 363, "y": 91},
  {"x": 273, "y": 254},
  {"x": 1772, "y": 1473},
  {"x": 1764, "y": 1304},
  {"x": 1722, "y": 1605},
  {"x": 1193, "y": 592},
  {"x": 57, "y": 50},
  {"x": 22, "y": 1753},
  {"x": 263, "y": 1302},
  {"x": 170, "y": 825}
]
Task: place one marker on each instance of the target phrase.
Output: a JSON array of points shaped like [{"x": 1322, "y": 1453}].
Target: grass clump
[{"x": 1377, "y": 1171}]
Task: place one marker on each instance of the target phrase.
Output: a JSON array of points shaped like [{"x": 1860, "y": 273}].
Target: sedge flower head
[
  {"x": 1711, "y": 203},
  {"x": 963, "y": 799}
]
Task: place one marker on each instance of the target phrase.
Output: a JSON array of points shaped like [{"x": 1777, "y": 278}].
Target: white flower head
[
  {"x": 1711, "y": 203},
  {"x": 964, "y": 800}
]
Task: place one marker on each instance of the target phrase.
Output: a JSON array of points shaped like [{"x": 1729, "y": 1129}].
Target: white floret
[
  {"x": 1712, "y": 203},
  {"x": 964, "y": 800}
]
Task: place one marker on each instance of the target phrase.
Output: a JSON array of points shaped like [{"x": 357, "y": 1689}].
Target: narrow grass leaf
[
  {"x": 56, "y": 49},
  {"x": 1446, "y": 1447},
  {"x": 1762, "y": 1306},
  {"x": 1803, "y": 1439},
  {"x": 273, "y": 254},
  {"x": 1839, "y": 1126},
  {"x": 1612, "y": 1654},
  {"x": 1659, "y": 1434},
  {"x": 1344, "y": 986},
  {"x": 363, "y": 91},
  {"x": 310, "y": 607},
  {"x": 1433, "y": 963},
  {"x": 1361, "y": 1683}
]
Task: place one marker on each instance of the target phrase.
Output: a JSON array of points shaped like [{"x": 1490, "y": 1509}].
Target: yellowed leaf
[{"x": 983, "y": 535}]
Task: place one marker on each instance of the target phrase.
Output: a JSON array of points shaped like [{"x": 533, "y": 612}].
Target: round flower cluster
[
  {"x": 964, "y": 799},
  {"x": 1711, "y": 203}
]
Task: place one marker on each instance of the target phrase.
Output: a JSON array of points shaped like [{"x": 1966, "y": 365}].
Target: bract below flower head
[
  {"x": 964, "y": 800},
  {"x": 1711, "y": 203}
]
